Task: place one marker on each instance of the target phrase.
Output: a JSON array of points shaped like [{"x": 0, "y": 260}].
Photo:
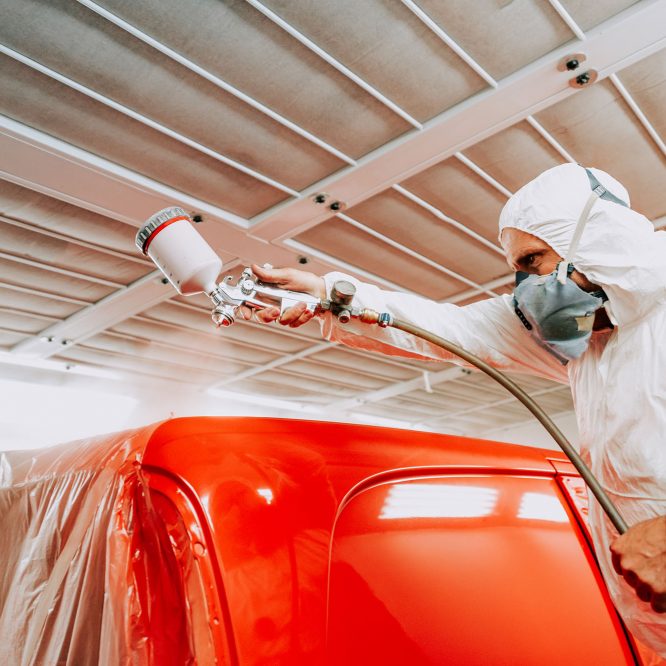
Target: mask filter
[{"x": 560, "y": 316}]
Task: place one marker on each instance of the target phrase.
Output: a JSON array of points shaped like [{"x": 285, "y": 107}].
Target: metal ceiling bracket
[
  {"x": 572, "y": 62},
  {"x": 584, "y": 79},
  {"x": 118, "y": 306}
]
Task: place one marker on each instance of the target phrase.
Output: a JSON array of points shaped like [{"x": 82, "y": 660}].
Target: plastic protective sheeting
[{"x": 96, "y": 568}]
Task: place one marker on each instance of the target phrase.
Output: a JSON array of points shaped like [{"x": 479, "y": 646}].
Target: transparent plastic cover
[{"x": 96, "y": 569}]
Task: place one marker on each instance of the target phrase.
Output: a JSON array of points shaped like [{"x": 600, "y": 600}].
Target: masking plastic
[{"x": 96, "y": 569}]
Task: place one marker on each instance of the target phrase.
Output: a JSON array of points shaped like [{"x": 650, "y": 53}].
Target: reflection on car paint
[
  {"x": 538, "y": 506},
  {"x": 427, "y": 500}
]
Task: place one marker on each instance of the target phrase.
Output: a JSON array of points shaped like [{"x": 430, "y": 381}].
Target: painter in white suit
[{"x": 589, "y": 310}]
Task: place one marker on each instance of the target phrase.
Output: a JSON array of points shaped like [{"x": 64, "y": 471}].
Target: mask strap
[
  {"x": 602, "y": 191},
  {"x": 573, "y": 246}
]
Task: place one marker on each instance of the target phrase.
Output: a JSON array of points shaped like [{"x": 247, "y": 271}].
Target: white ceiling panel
[
  {"x": 24, "y": 322},
  {"x": 9, "y": 338},
  {"x": 244, "y": 48},
  {"x": 25, "y": 243},
  {"x": 43, "y": 280},
  {"x": 396, "y": 217},
  {"x": 152, "y": 350},
  {"x": 501, "y": 36},
  {"x": 389, "y": 47},
  {"x": 78, "y": 44},
  {"x": 42, "y": 304},
  {"x": 456, "y": 190},
  {"x": 140, "y": 366},
  {"x": 589, "y": 14},
  {"x": 515, "y": 155},
  {"x": 41, "y": 211},
  {"x": 646, "y": 83},
  {"x": 342, "y": 240}
]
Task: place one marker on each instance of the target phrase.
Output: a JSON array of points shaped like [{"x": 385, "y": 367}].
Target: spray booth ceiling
[{"x": 422, "y": 116}]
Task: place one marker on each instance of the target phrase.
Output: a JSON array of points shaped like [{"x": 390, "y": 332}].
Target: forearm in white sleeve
[{"x": 487, "y": 328}]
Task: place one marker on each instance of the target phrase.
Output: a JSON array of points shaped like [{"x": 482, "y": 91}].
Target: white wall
[
  {"x": 534, "y": 434},
  {"x": 34, "y": 415}
]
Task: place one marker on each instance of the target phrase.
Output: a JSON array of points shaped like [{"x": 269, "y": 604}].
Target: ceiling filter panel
[
  {"x": 44, "y": 212},
  {"x": 646, "y": 83},
  {"x": 244, "y": 48},
  {"x": 589, "y": 14},
  {"x": 600, "y": 130},
  {"x": 42, "y": 280},
  {"x": 389, "y": 47},
  {"x": 460, "y": 193},
  {"x": 40, "y": 102},
  {"x": 502, "y": 36},
  {"x": 339, "y": 239},
  {"x": 77, "y": 43},
  {"x": 396, "y": 217},
  {"x": 70, "y": 256},
  {"x": 515, "y": 155}
]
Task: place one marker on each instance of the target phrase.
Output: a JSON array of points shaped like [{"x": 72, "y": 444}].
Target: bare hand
[
  {"x": 640, "y": 556},
  {"x": 294, "y": 280}
]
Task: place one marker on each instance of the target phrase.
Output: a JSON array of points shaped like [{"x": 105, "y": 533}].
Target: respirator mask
[{"x": 553, "y": 308}]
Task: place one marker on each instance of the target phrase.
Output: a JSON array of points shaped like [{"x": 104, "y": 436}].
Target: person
[{"x": 589, "y": 309}]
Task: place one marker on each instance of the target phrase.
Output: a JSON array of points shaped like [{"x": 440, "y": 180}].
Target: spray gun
[{"x": 190, "y": 264}]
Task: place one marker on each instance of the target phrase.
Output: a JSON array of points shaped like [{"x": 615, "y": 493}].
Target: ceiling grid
[{"x": 424, "y": 173}]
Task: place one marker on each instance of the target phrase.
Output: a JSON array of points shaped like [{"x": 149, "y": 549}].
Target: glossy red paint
[
  {"x": 496, "y": 570},
  {"x": 466, "y": 569}
]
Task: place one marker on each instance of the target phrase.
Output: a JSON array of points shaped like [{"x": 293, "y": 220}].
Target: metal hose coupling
[{"x": 368, "y": 316}]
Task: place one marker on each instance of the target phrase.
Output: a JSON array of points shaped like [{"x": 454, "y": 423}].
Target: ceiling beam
[
  {"x": 423, "y": 382},
  {"x": 617, "y": 43},
  {"x": 118, "y": 306},
  {"x": 276, "y": 363}
]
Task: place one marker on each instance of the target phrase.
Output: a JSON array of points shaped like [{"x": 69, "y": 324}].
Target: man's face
[{"x": 530, "y": 254}]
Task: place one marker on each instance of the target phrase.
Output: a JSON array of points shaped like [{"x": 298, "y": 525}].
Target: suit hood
[{"x": 619, "y": 248}]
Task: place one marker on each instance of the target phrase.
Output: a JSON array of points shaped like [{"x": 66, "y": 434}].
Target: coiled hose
[{"x": 513, "y": 388}]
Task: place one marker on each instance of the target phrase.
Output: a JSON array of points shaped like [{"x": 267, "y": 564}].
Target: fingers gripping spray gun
[{"x": 190, "y": 264}]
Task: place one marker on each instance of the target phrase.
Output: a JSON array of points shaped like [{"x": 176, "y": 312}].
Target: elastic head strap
[
  {"x": 573, "y": 246},
  {"x": 602, "y": 192},
  {"x": 598, "y": 192}
]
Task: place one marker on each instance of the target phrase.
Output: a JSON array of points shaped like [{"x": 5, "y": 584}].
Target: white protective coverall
[{"x": 618, "y": 384}]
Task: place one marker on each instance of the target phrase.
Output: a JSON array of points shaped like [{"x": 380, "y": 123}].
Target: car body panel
[
  {"x": 467, "y": 569},
  {"x": 268, "y": 495}
]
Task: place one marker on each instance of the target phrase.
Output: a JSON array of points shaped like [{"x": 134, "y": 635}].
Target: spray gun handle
[{"x": 252, "y": 293}]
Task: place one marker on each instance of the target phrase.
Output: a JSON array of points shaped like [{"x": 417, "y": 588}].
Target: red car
[{"x": 278, "y": 542}]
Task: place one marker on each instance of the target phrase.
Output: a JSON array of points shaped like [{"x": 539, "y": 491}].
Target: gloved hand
[
  {"x": 640, "y": 556},
  {"x": 294, "y": 280}
]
